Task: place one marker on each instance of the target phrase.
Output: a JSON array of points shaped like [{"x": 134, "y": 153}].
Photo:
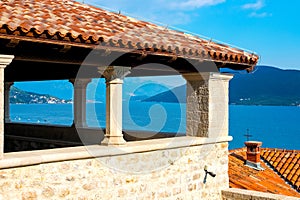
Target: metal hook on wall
[{"x": 207, "y": 172}]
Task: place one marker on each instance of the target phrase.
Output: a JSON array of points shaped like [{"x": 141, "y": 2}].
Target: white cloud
[
  {"x": 165, "y": 11},
  {"x": 256, "y": 9},
  {"x": 194, "y": 4},
  {"x": 154, "y": 5},
  {"x": 260, "y": 15},
  {"x": 254, "y": 6}
]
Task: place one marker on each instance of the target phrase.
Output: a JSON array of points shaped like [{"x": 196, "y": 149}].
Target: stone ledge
[
  {"x": 5, "y": 60},
  {"x": 221, "y": 76},
  {"x": 25, "y": 158},
  {"x": 240, "y": 194}
]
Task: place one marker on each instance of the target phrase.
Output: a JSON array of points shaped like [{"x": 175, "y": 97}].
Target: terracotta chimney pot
[{"x": 253, "y": 154}]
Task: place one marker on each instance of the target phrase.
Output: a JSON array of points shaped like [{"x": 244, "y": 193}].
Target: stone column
[
  {"x": 4, "y": 61},
  {"x": 79, "y": 102},
  {"x": 114, "y": 76},
  {"x": 6, "y": 101},
  {"x": 207, "y": 104}
]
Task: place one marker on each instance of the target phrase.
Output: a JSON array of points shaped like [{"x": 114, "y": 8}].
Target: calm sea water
[{"x": 275, "y": 126}]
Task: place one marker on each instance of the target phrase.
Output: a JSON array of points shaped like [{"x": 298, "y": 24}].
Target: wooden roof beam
[
  {"x": 65, "y": 48},
  {"x": 12, "y": 43}
]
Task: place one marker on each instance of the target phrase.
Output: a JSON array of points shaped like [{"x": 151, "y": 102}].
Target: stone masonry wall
[
  {"x": 207, "y": 104},
  {"x": 181, "y": 177},
  {"x": 197, "y": 108}
]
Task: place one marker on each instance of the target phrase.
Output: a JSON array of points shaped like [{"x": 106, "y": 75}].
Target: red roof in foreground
[
  {"x": 284, "y": 162},
  {"x": 74, "y": 22},
  {"x": 267, "y": 180}
]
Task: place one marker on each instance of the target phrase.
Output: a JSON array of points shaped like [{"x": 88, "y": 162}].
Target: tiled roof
[
  {"x": 76, "y": 23},
  {"x": 284, "y": 162},
  {"x": 267, "y": 180}
]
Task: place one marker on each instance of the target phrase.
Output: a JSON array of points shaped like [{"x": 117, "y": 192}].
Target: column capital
[
  {"x": 111, "y": 73},
  {"x": 207, "y": 76},
  {"x": 221, "y": 76},
  {"x": 5, "y": 60},
  {"x": 196, "y": 76}
]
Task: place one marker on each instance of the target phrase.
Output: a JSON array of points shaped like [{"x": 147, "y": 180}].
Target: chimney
[{"x": 253, "y": 154}]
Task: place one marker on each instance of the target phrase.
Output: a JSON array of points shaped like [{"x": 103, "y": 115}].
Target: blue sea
[{"x": 275, "y": 126}]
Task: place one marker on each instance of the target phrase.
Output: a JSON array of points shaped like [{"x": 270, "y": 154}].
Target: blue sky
[{"x": 271, "y": 28}]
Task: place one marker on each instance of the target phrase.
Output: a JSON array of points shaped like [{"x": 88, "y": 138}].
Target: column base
[{"x": 113, "y": 140}]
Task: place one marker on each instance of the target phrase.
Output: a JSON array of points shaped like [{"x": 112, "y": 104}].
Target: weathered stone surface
[
  {"x": 101, "y": 178},
  {"x": 207, "y": 104},
  {"x": 48, "y": 192},
  {"x": 29, "y": 195}
]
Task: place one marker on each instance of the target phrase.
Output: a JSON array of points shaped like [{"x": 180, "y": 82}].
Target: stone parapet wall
[
  {"x": 174, "y": 173},
  {"x": 27, "y": 137}
]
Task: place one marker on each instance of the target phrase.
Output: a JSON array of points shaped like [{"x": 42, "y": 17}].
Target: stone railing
[
  {"x": 167, "y": 168},
  {"x": 26, "y": 137}
]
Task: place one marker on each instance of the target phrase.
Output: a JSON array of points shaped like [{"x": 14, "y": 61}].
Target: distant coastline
[
  {"x": 18, "y": 96},
  {"x": 266, "y": 86}
]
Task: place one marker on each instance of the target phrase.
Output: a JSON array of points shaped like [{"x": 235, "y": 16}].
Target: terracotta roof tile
[
  {"x": 286, "y": 164},
  {"x": 267, "y": 180},
  {"x": 270, "y": 155},
  {"x": 278, "y": 157},
  {"x": 81, "y": 23}
]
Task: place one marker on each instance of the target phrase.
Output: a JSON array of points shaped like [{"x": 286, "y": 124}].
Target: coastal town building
[{"x": 68, "y": 40}]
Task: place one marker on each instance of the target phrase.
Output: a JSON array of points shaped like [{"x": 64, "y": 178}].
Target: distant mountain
[
  {"x": 18, "y": 96},
  {"x": 265, "y": 86},
  {"x": 138, "y": 91},
  {"x": 176, "y": 95}
]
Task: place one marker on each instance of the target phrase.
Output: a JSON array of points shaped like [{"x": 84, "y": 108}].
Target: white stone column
[
  {"x": 207, "y": 104},
  {"x": 6, "y": 101},
  {"x": 114, "y": 76},
  {"x": 79, "y": 102},
  {"x": 4, "y": 61}
]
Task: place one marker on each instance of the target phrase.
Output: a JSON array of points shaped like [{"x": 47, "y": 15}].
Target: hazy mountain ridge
[
  {"x": 265, "y": 86},
  {"x": 176, "y": 95}
]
